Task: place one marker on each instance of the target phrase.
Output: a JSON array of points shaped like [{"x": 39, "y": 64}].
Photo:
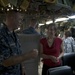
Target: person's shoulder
[
  {"x": 30, "y": 30},
  {"x": 26, "y": 31},
  {"x": 42, "y": 39},
  {"x": 59, "y": 39},
  {"x": 71, "y": 38}
]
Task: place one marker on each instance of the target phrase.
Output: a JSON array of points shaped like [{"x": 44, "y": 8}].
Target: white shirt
[{"x": 69, "y": 45}]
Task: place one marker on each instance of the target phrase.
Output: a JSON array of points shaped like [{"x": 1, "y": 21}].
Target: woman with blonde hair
[{"x": 51, "y": 49}]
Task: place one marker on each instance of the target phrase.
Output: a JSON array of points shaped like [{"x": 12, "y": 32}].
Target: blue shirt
[
  {"x": 9, "y": 46},
  {"x": 30, "y": 30}
]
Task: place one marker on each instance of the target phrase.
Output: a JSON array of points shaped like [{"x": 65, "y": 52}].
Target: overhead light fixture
[
  {"x": 71, "y": 17},
  {"x": 61, "y": 19},
  {"x": 2, "y": 9},
  {"x": 40, "y": 24},
  {"x": 9, "y": 5},
  {"x": 7, "y": 9},
  {"x": 57, "y": 20},
  {"x": 12, "y": 7},
  {"x": 48, "y": 22}
]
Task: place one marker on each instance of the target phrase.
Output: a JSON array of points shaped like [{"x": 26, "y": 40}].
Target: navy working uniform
[{"x": 9, "y": 46}]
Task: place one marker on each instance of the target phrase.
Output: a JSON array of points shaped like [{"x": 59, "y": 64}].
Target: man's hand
[{"x": 34, "y": 53}]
